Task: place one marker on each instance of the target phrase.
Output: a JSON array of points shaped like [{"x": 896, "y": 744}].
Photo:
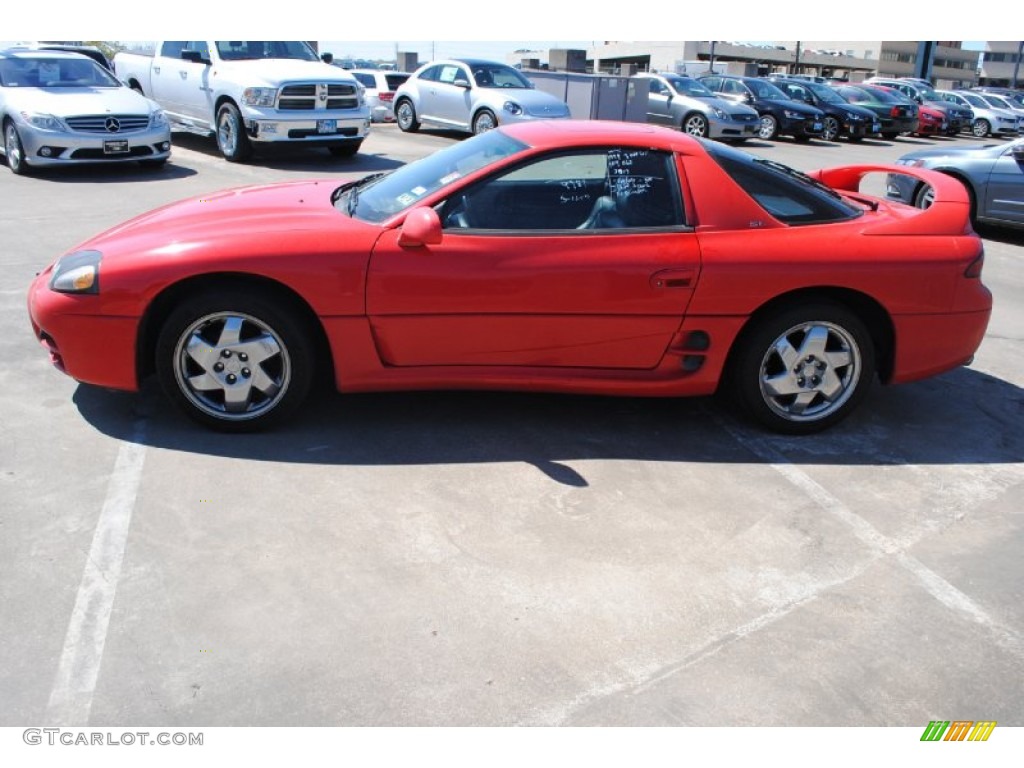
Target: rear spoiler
[{"x": 950, "y": 214}]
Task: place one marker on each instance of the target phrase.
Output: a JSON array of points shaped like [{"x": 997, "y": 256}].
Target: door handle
[
  {"x": 156, "y": 70},
  {"x": 672, "y": 278},
  {"x": 183, "y": 73}
]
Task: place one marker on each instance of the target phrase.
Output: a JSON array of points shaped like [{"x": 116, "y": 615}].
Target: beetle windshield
[{"x": 387, "y": 195}]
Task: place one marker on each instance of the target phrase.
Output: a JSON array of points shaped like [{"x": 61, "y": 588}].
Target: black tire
[
  {"x": 803, "y": 369},
  {"x": 831, "y": 130},
  {"x": 405, "y": 116},
  {"x": 769, "y": 128},
  {"x": 240, "y": 345},
  {"x": 232, "y": 140},
  {"x": 484, "y": 120},
  {"x": 14, "y": 150},
  {"x": 695, "y": 124},
  {"x": 345, "y": 150}
]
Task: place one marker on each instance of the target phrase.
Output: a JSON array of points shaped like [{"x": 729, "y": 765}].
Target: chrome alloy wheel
[
  {"x": 810, "y": 371},
  {"x": 13, "y": 148},
  {"x": 232, "y": 366}
]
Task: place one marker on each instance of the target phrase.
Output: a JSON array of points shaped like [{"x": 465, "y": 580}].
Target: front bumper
[
  {"x": 83, "y": 343},
  {"x": 733, "y": 128},
  {"x": 53, "y": 148},
  {"x": 315, "y": 127},
  {"x": 808, "y": 126},
  {"x": 862, "y": 128}
]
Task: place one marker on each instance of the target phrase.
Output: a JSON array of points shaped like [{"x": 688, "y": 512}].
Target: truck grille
[
  {"x": 310, "y": 96},
  {"x": 108, "y": 123}
]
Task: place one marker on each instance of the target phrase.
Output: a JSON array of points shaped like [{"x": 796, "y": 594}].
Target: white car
[
  {"x": 472, "y": 95},
  {"x": 379, "y": 88},
  {"x": 61, "y": 108}
]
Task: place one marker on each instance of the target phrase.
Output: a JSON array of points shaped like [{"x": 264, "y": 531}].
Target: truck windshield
[{"x": 236, "y": 50}]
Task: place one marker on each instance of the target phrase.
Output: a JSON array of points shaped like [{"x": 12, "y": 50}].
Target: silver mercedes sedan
[
  {"x": 992, "y": 173},
  {"x": 59, "y": 108}
]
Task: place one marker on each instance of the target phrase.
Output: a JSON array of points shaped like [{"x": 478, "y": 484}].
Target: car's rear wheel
[
  {"x": 231, "y": 138},
  {"x": 696, "y": 125},
  {"x": 981, "y": 128},
  {"x": 14, "y": 150},
  {"x": 235, "y": 361},
  {"x": 831, "y": 129},
  {"x": 769, "y": 127},
  {"x": 405, "y": 116},
  {"x": 484, "y": 121},
  {"x": 805, "y": 368}
]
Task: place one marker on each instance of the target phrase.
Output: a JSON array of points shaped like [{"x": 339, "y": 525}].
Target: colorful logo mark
[{"x": 958, "y": 730}]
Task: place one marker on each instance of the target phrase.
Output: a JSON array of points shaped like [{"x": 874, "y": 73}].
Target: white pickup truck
[{"x": 250, "y": 93}]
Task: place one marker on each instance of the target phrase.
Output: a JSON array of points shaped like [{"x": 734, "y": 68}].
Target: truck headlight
[
  {"x": 259, "y": 97},
  {"x": 77, "y": 272}
]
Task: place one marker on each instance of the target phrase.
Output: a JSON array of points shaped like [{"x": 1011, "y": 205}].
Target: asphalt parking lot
[{"x": 498, "y": 559}]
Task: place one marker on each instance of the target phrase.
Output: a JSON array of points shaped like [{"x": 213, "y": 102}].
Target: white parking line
[{"x": 71, "y": 698}]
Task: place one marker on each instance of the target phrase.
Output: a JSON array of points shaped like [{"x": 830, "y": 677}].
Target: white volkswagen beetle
[{"x": 471, "y": 95}]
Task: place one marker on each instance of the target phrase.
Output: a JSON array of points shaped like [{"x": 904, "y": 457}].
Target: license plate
[
  {"x": 817, "y": 126},
  {"x": 876, "y": 127},
  {"x": 326, "y": 126},
  {"x": 115, "y": 147}
]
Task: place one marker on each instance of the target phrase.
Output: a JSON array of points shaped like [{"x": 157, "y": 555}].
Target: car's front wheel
[
  {"x": 231, "y": 138},
  {"x": 696, "y": 125},
  {"x": 405, "y": 115},
  {"x": 484, "y": 121},
  {"x": 831, "y": 129},
  {"x": 805, "y": 368},
  {"x": 235, "y": 361},
  {"x": 769, "y": 127},
  {"x": 981, "y": 128},
  {"x": 14, "y": 150}
]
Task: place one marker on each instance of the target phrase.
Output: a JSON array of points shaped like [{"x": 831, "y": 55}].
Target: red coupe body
[{"x": 421, "y": 294}]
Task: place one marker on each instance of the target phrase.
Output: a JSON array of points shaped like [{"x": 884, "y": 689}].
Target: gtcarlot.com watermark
[{"x": 72, "y": 738}]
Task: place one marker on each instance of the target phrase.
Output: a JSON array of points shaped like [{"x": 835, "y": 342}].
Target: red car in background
[{"x": 593, "y": 257}]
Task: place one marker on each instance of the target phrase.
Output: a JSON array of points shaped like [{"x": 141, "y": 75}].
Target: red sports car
[{"x": 591, "y": 257}]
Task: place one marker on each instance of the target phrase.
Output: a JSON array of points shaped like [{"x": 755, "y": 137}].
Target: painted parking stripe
[{"x": 71, "y": 698}]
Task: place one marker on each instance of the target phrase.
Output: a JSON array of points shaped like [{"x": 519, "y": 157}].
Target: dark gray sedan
[{"x": 992, "y": 173}]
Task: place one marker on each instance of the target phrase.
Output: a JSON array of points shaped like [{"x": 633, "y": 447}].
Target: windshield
[
  {"x": 53, "y": 72},
  {"x": 825, "y": 93},
  {"x": 765, "y": 90},
  {"x": 385, "y": 196},
  {"x": 997, "y": 102},
  {"x": 498, "y": 76},
  {"x": 687, "y": 86},
  {"x": 889, "y": 97},
  {"x": 237, "y": 50},
  {"x": 927, "y": 92}
]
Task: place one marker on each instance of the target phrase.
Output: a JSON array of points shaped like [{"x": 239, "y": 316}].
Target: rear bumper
[{"x": 927, "y": 345}]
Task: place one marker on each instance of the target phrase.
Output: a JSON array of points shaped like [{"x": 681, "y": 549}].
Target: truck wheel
[{"x": 231, "y": 138}]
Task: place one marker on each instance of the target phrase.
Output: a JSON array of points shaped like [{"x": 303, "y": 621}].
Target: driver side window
[{"x": 615, "y": 188}]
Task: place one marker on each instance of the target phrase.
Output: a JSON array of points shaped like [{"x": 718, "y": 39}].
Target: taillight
[
  {"x": 894, "y": 112},
  {"x": 974, "y": 268},
  {"x": 386, "y": 95}
]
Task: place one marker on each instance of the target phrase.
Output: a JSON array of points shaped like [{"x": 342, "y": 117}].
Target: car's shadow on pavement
[
  {"x": 112, "y": 173},
  {"x": 962, "y": 417}
]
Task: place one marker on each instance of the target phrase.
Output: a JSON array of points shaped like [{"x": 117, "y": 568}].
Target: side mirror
[
  {"x": 327, "y": 58},
  {"x": 194, "y": 56},
  {"x": 748, "y": 99},
  {"x": 461, "y": 82},
  {"x": 1018, "y": 153},
  {"x": 422, "y": 227}
]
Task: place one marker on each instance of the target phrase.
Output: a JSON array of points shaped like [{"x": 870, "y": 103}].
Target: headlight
[
  {"x": 911, "y": 162},
  {"x": 259, "y": 97},
  {"x": 721, "y": 114},
  {"x": 158, "y": 119},
  {"x": 512, "y": 108},
  {"x": 855, "y": 118},
  {"x": 43, "y": 122},
  {"x": 793, "y": 115},
  {"x": 77, "y": 272}
]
